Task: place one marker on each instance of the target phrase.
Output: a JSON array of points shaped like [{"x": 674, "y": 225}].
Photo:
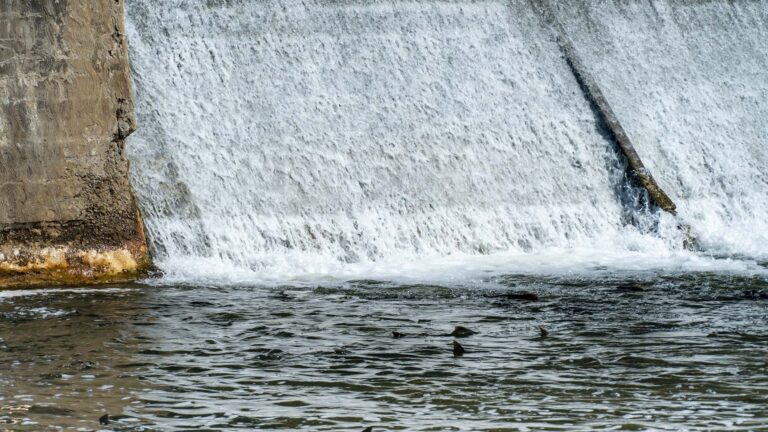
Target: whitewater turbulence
[{"x": 292, "y": 138}]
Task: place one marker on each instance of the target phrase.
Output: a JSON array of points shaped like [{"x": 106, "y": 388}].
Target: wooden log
[{"x": 635, "y": 167}]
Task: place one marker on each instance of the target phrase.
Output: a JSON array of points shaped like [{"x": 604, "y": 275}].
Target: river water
[{"x": 673, "y": 351}]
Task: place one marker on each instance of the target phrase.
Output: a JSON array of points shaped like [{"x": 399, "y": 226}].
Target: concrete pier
[{"x": 67, "y": 213}]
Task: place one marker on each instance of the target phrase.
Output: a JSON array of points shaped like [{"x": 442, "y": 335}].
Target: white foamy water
[
  {"x": 291, "y": 140},
  {"x": 689, "y": 81}
]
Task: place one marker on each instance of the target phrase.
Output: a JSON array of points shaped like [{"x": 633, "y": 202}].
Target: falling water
[
  {"x": 308, "y": 138},
  {"x": 689, "y": 80}
]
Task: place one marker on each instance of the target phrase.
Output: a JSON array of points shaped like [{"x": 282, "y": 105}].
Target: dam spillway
[{"x": 296, "y": 138}]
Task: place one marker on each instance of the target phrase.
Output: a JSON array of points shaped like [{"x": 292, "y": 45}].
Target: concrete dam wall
[
  {"x": 300, "y": 137},
  {"x": 67, "y": 213}
]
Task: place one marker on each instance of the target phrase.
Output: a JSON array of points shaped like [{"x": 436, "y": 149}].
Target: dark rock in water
[
  {"x": 458, "y": 350},
  {"x": 202, "y": 304},
  {"x": 398, "y": 335},
  {"x": 630, "y": 288},
  {"x": 524, "y": 296},
  {"x": 83, "y": 365},
  {"x": 543, "y": 332},
  {"x": 461, "y": 332},
  {"x": 50, "y": 410},
  {"x": 104, "y": 420},
  {"x": 368, "y": 429}
]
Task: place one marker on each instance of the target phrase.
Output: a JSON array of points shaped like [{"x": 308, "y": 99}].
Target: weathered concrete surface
[{"x": 67, "y": 213}]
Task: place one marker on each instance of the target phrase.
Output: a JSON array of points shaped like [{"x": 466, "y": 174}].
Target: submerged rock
[
  {"x": 458, "y": 350},
  {"x": 543, "y": 332},
  {"x": 461, "y": 332},
  {"x": 458, "y": 332},
  {"x": 50, "y": 410},
  {"x": 522, "y": 296},
  {"x": 528, "y": 297},
  {"x": 104, "y": 420}
]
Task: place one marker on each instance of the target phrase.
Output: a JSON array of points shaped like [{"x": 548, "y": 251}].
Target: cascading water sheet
[
  {"x": 312, "y": 134},
  {"x": 689, "y": 82}
]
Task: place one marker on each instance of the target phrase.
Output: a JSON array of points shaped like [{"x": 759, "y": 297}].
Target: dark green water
[{"x": 688, "y": 352}]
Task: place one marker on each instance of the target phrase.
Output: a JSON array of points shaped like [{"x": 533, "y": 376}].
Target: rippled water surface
[{"x": 670, "y": 353}]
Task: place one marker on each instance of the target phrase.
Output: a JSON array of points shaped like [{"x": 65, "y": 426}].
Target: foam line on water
[{"x": 459, "y": 269}]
